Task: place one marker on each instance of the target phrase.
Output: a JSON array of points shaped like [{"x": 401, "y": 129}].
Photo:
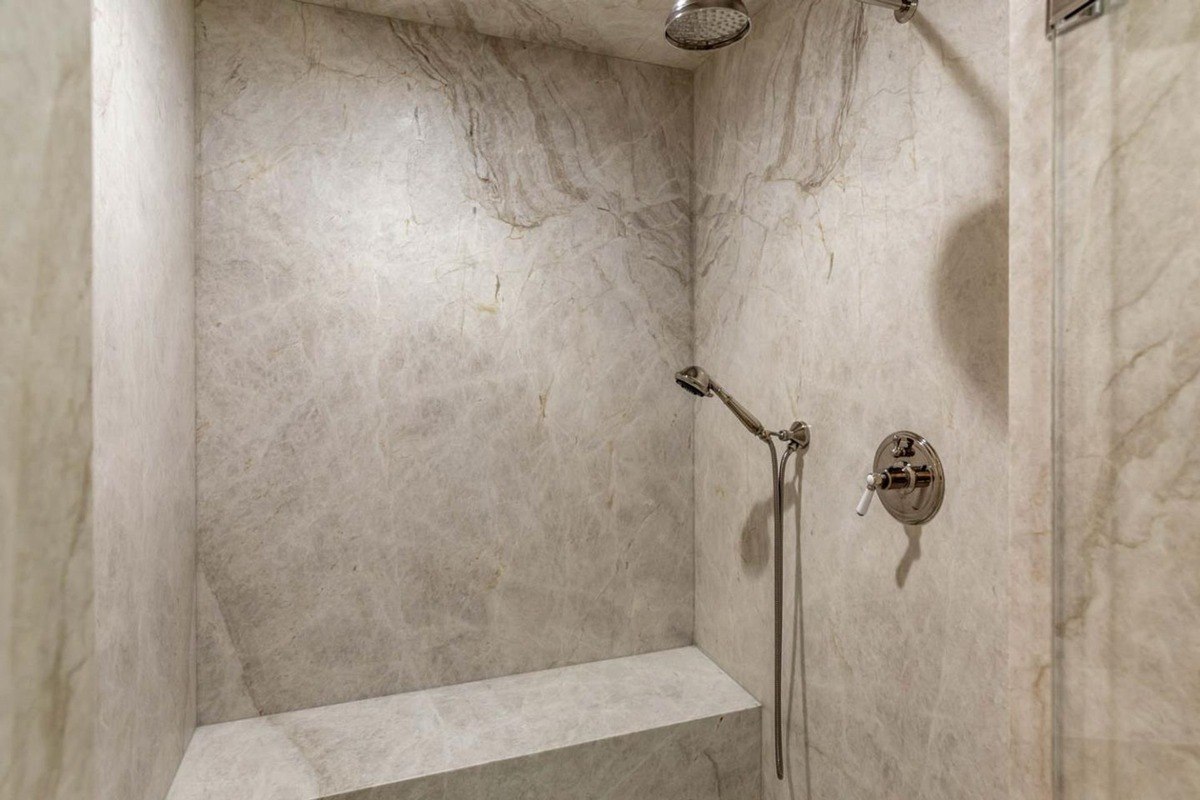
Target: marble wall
[
  {"x": 630, "y": 29},
  {"x": 851, "y": 270},
  {"x": 1129, "y": 273},
  {"x": 144, "y": 392},
  {"x": 47, "y": 670},
  {"x": 1030, "y": 411},
  {"x": 443, "y": 281}
]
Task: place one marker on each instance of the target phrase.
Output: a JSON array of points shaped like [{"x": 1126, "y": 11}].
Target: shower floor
[{"x": 659, "y": 726}]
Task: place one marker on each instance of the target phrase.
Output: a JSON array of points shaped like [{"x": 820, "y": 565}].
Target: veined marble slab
[
  {"x": 661, "y": 725},
  {"x": 851, "y": 188},
  {"x": 144, "y": 399},
  {"x": 630, "y": 29},
  {"x": 1129, "y": 398},
  {"x": 47, "y": 668},
  {"x": 426, "y": 261}
]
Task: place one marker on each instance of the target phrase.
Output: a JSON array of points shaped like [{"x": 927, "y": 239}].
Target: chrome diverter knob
[{"x": 908, "y": 478}]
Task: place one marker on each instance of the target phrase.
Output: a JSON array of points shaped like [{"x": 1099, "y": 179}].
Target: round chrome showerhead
[
  {"x": 695, "y": 380},
  {"x": 707, "y": 24}
]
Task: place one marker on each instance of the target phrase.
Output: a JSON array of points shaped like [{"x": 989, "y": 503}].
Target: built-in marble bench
[{"x": 662, "y": 726}]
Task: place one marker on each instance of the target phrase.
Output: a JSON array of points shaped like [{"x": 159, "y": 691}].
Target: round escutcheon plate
[{"x": 918, "y": 505}]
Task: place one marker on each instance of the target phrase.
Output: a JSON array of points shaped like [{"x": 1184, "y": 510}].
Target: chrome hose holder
[{"x": 797, "y": 437}]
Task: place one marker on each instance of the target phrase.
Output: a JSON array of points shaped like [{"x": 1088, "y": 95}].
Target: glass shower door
[{"x": 1127, "y": 413}]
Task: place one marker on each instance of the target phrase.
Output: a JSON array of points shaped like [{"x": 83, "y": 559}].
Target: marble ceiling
[{"x": 631, "y": 29}]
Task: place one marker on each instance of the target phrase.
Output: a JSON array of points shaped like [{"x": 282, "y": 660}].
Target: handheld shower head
[
  {"x": 696, "y": 380},
  {"x": 707, "y": 24}
]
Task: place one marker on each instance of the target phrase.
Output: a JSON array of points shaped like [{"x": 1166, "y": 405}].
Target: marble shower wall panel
[
  {"x": 443, "y": 281},
  {"x": 851, "y": 270},
  {"x": 630, "y": 29},
  {"x": 47, "y": 669},
  {"x": 1130, "y": 370},
  {"x": 144, "y": 402},
  {"x": 1030, "y": 410}
]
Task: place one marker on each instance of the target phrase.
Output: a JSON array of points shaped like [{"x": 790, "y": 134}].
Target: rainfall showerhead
[
  {"x": 696, "y": 381},
  {"x": 707, "y": 24}
]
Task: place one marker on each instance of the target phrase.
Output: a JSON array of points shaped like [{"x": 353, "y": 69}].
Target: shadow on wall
[
  {"x": 911, "y": 554},
  {"x": 959, "y": 66},
  {"x": 972, "y": 278},
  {"x": 971, "y": 308},
  {"x": 755, "y": 543},
  {"x": 756, "y": 546}
]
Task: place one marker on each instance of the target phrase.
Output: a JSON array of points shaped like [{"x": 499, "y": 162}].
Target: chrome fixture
[
  {"x": 696, "y": 381},
  {"x": 797, "y": 438},
  {"x": 707, "y": 24},
  {"x": 908, "y": 478},
  {"x": 904, "y": 10},
  {"x": 1063, "y": 15}
]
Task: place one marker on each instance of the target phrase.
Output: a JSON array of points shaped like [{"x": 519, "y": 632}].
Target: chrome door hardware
[{"x": 908, "y": 478}]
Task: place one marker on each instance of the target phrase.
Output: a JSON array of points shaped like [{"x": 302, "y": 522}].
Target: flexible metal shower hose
[{"x": 778, "y": 468}]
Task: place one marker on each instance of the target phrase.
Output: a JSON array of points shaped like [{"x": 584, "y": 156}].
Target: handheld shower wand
[{"x": 697, "y": 381}]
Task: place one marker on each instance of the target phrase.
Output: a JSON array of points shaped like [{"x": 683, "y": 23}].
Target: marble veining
[
  {"x": 657, "y": 726},
  {"x": 47, "y": 668},
  {"x": 850, "y": 231},
  {"x": 143, "y": 401},
  {"x": 1030, "y": 413},
  {"x": 630, "y": 29},
  {"x": 1129, "y": 87},
  {"x": 442, "y": 283}
]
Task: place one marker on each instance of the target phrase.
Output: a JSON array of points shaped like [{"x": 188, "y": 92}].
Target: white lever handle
[{"x": 865, "y": 502}]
